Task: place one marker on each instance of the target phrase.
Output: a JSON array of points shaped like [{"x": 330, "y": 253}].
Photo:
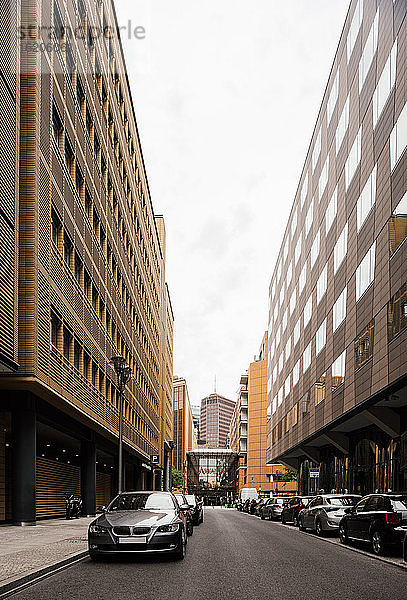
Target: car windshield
[
  {"x": 280, "y": 501},
  {"x": 305, "y": 501},
  {"x": 190, "y": 499},
  {"x": 142, "y": 502},
  {"x": 342, "y": 501},
  {"x": 180, "y": 499},
  {"x": 399, "y": 503}
]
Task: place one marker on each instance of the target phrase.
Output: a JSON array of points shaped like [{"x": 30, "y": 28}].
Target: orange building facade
[{"x": 248, "y": 433}]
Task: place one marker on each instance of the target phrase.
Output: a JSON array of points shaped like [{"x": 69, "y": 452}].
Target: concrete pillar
[
  {"x": 138, "y": 482},
  {"x": 24, "y": 441},
  {"x": 88, "y": 477}
]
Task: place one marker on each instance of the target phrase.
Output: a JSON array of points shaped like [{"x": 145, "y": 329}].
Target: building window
[
  {"x": 304, "y": 190},
  {"x": 368, "y": 51},
  {"x": 78, "y": 269},
  {"x": 397, "y": 313},
  {"x": 338, "y": 371},
  {"x": 298, "y": 247},
  {"x": 323, "y": 179},
  {"x": 353, "y": 159},
  {"x": 86, "y": 365},
  {"x": 365, "y": 272},
  {"x": 80, "y": 96},
  {"x": 297, "y": 330},
  {"x": 305, "y": 402},
  {"x": 55, "y": 327},
  {"x": 319, "y": 390},
  {"x": 398, "y": 138},
  {"x": 306, "y": 358},
  {"x": 86, "y": 283},
  {"x": 282, "y": 295},
  {"x": 294, "y": 223},
  {"x": 274, "y": 407},
  {"x": 288, "y": 349},
  {"x": 56, "y": 228},
  {"x": 302, "y": 279},
  {"x": 70, "y": 60},
  {"x": 354, "y": 29},
  {"x": 77, "y": 355},
  {"x": 296, "y": 373},
  {"x": 398, "y": 225},
  {"x": 315, "y": 249},
  {"x": 281, "y": 362},
  {"x": 341, "y": 248},
  {"x": 309, "y": 218},
  {"x": 316, "y": 151},
  {"x": 320, "y": 338},
  {"x": 280, "y": 396},
  {"x": 322, "y": 284},
  {"x": 333, "y": 97},
  {"x": 67, "y": 341},
  {"x": 68, "y": 250},
  {"x": 366, "y": 199},
  {"x": 339, "y": 310},
  {"x": 285, "y": 319},
  {"x": 331, "y": 211},
  {"x": 385, "y": 84},
  {"x": 79, "y": 182},
  {"x": 69, "y": 157},
  {"x": 289, "y": 275},
  {"x": 278, "y": 333},
  {"x": 342, "y": 127},
  {"x": 307, "y": 311},
  {"x": 364, "y": 345},
  {"x": 293, "y": 301},
  {"x": 285, "y": 251},
  {"x": 57, "y": 129},
  {"x": 287, "y": 386}
]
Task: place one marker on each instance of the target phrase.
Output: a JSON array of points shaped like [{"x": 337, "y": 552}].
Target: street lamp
[
  {"x": 172, "y": 445},
  {"x": 123, "y": 374}
]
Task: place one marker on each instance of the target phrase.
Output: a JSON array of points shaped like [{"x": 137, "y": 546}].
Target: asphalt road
[{"x": 233, "y": 556}]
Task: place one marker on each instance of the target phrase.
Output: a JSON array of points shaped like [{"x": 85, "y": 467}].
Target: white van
[{"x": 248, "y": 493}]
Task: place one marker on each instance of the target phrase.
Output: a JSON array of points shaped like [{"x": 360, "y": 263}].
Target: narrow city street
[{"x": 233, "y": 556}]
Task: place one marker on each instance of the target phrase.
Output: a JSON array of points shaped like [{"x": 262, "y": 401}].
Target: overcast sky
[{"x": 226, "y": 94}]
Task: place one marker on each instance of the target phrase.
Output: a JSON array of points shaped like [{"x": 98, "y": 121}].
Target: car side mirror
[
  {"x": 349, "y": 510},
  {"x": 184, "y": 507},
  {"x": 285, "y": 503},
  {"x": 101, "y": 509}
]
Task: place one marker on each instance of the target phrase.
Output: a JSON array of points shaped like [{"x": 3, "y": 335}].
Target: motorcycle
[{"x": 73, "y": 507}]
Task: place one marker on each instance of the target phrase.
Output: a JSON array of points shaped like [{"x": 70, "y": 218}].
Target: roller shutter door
[
  {"x": 55, "y": 480},
  {"x": 103, "y": 489}
]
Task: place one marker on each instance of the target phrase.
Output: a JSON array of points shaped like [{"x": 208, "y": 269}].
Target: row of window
[
  {"x": 398, "y": 144},
  {"x": 84, "y": 194},
  {"x": 94, "y": 138},
  {"x": 363, "y": 351},
  {"x": 63, "y": 340},
  {"x": 73, "y": 261}
]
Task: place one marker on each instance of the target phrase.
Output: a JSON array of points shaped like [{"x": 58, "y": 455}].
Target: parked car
[
  {"x": 246, "y": 505},
  {"x": 292, "y": 507},
  {"x": 252, "y": 506},
  {"x": 379, "y": 519},
  {"x": 196, "y": 508},
  {"x": 324, "y": 512},
  {"x": 272, "y": 509},
  {"x": 184, "y": 505},
  {"x": 259, "y": 506},
  {"x": 139, "y": 522}
]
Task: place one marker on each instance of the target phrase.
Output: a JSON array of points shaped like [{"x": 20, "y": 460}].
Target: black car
[
  {"x": 196, "y": 509},
  {"x": 184, "y": 505},
  {"x": 379, "y": 519},
  {"x": 139, "y": 523},
  {"x": 292, "y": 507}
]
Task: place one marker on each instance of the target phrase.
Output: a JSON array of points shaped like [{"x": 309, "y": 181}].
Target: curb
[{"x": 22, "y": 582}]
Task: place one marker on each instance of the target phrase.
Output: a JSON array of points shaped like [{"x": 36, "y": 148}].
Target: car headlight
[
  {"x": 168, "y": 528},
  {"x": 97, "y": 529}
]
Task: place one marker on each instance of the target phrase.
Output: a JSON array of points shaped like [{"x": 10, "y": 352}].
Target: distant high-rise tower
[{"x": 216, "y": 414}]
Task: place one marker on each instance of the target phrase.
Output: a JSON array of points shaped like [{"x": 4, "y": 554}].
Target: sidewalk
[{"x": 27, "y": 551}]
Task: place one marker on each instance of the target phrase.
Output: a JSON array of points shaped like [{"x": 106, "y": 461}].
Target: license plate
[{"x": 132, "y": 540}]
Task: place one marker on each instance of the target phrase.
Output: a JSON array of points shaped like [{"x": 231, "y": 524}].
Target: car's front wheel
[
  {"x": 180, "y": 553},
  {"x": 295, "y": 520},
  {"x": 190, "y": 528},
  {"x": 378, "y": 544},
  {"x": 343, "y": 534},
  {"x": 318, "y": 528}
]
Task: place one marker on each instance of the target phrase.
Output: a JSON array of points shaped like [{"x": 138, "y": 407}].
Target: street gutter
[{"x": 20, "y": 583}]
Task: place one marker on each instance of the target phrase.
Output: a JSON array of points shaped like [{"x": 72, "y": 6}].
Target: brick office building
[
  {"x": 337, "y": 393},
  {"x": 87, "y": 258}
]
